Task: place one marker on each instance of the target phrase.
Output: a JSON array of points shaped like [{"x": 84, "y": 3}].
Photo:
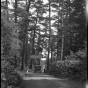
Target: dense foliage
[
  {"x": 76, "y": 71},
  {"x": 29, "y": 27},
  {"x": 9, "y": 53},
  {"x": 75, "y": 46}
]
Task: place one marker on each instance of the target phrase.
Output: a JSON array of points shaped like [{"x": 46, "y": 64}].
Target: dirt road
[{"x": 38, "y": 80}]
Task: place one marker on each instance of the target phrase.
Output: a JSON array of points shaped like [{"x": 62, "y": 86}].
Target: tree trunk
[
  {"x": 33, "y": 44},
  {"x": 24, "y": 58},
  {"x": 23, "y": 55},
  {"x": 15, "y": 11},
  {"x": 58, "y": 38},
  {"x": 26, "y": 47},
  {"x": 28, "y": 55},
  {"x": 62, "y": 47},
  {"x": 51, "y": 52},
  {"x": 26, "y": 34},
  {"x": 49, "y": 37}
]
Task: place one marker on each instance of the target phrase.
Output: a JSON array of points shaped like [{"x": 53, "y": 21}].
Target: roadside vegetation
[{"x": 73, "y": 68}]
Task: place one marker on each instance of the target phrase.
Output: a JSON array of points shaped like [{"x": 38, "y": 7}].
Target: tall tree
[
  {"x": 49, "y": 37},
  {"x": 26, "y": 34},
  {"x": 78, "y": 16}
]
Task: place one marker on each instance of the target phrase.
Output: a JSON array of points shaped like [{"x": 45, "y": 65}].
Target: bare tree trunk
[
  {"x": 33, "y": 44},
  {"x": 62, "y": 47},
  {"x": 49, "y": 37},
  {"x": 25, "y": 42},
  {"x": 26, "y": 34}
]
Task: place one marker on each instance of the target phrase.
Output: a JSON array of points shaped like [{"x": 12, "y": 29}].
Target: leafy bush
[
  {"x": 54, "y": 69},
  {"x": 12, "y": 77},
  {"x": 76, "y": 72},
  {"x": 58, "y": 69}
]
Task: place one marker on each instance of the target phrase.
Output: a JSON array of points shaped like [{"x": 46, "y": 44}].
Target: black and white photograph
[{"x": 44, "y": 43}]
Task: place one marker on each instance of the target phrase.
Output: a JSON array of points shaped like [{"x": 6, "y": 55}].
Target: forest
[{"x": 30, "y": 26}]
